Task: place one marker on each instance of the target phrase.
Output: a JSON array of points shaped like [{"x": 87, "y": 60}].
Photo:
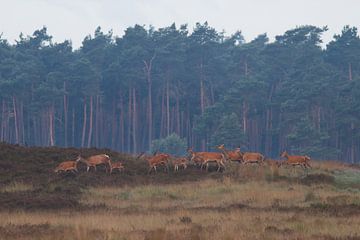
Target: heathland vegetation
[
  {"x": 243, "y": 202},
  {"x": 207, "y": 87}
]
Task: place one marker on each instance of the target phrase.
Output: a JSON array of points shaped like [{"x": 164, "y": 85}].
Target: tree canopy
[{"x": 205, "y": 87}]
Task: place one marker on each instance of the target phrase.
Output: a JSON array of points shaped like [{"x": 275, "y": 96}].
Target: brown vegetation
[{"x": 244, "y": 202}]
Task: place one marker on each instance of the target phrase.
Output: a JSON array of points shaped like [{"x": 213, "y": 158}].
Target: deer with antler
[
  {"x": 294, "y": 160},
  {"x": 67, "y": 166},
  {"x": 96, "y": 160},
  {"x": 204, "y": 158},
  {"x": 235, "y": 155}
]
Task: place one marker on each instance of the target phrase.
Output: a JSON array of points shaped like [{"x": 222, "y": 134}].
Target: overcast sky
[{"x": 74, "y": 19}]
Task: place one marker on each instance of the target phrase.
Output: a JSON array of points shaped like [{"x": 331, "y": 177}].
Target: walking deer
[
  {"x": 116, "y": 165},
  {"x": 67, "y": 166},
  {"x": 252, "y": 157},
  {"x": 96, "y": 160},
  {"x": 156, "y": 160},
  {"x": 294, "y": 160},
  {"x": 182, "y": 161},
  {"x": 207, "y": 157},
  {"x": 235, "y": 155}
]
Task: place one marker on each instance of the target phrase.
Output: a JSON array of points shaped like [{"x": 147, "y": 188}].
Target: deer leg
[
  {"x": 95, "y": 167},
  {"x": 87, "y": 168},
  {"x": 223, "y": 165}
]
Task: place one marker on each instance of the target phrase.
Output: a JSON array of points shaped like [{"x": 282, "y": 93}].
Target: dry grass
[
  {"x": 208, "y": 209},
  {"x": 245, "y": 202},
  {"x": 16, "y": 187}
]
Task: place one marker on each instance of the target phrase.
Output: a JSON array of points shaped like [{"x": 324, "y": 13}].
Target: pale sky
[{"x": 74, "y": 19}]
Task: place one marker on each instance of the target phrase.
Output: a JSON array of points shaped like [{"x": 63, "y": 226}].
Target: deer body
[
  {"x": 179, "y": 162},
  {"x": 206, "y": 157},
  {"x": 156, "y": 160},
  {"x": 253, "y": 157},
  {"x": 294, "y": 160},
  {"x": 235, "y": 155},
  {"x": 116, "y": 165},
  {"x": 67, "y": 166},
  {"x": 95, "y": 160}
]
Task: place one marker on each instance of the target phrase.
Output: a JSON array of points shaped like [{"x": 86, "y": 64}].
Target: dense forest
[{"x": 209, "y": 88}]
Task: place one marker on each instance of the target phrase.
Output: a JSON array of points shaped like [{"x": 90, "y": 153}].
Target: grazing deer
[
  {"x": 67, "y": 166},
  {"x": 294, "y": 160},
  {"x": 116, "y": 165},
  {"x": 156, "y": 160},
  {"x": 206, "y": 157},
  {"x": 95, "y": 160},
  {"x": 235, "y": 155},
  {"x": 179, "y": 162}
]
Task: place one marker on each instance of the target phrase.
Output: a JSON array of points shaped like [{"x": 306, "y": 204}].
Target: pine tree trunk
[
  {"x": 129, "y": 122},
  {"x": 15, "y": 121},
  {"x": 65, "y": 117},
  {"x": 51, "y": 125},
  {"x": 167, "y": 109},
  {"x": 148, "y": 67},
  {"x": 84, "y": 125},
  {"x": 178, "y": 124},
  {"x": 73, "y": 127},
  {"x": 244, "y": 115},
  {"x": 122, "y": 125},
  {"x": 350, "y": 72},
  {"x": 97, "y": 123},
  {"x": 2, "y": 136},
  {"x": 90, "y": 122},
  {"x": 134, "y": 123},
  {"x": 202, "y": 91},
  {"x": 113, "y": 126},
  {"x": 162, "y": 114}
]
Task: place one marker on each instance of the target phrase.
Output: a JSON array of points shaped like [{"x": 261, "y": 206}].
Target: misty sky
[{"x": 74, "y": 19}]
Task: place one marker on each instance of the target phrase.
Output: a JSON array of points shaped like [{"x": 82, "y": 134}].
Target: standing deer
[
  {"x": 206, "y": 157},
  {"x": 67, "y": 166},
  {"x": 156, "y": 160},
  {"x": 95, "y": 160},
  {"x": 182, "y": 161},
  {"x": 235, "y": 155},
  {"x": 294, "y": 160},
  {"x": 116, "y": 165}
]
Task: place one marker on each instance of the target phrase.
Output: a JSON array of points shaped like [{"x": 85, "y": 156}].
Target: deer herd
[{"x": 200, "y": 159}]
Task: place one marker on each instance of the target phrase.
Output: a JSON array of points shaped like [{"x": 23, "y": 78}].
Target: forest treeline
[{"x": 209, "y": 88}]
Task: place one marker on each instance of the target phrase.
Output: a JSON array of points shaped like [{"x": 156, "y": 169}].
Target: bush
[{"x": 172, "y": 144}]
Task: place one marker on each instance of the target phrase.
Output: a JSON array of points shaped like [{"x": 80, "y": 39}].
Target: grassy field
[{"x": 245, "y": 202}]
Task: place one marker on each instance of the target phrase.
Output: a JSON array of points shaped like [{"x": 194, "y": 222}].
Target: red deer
[
  {"x": 206, "y": 157},
  {"x": 95, "y": 160},
  {"x": 231, "y": 155},
  {"x": 294, "y": 160},
  {"x": 179, "y": 162},
  {"x": 67, "y": 166},
  {"x": 116, "y": 165},
  {"x": 252, "y": 157},
  {"x": 156, "y": 160}
]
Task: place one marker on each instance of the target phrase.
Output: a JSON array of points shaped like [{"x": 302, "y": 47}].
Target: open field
[{"x": 244, "y": 202}]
